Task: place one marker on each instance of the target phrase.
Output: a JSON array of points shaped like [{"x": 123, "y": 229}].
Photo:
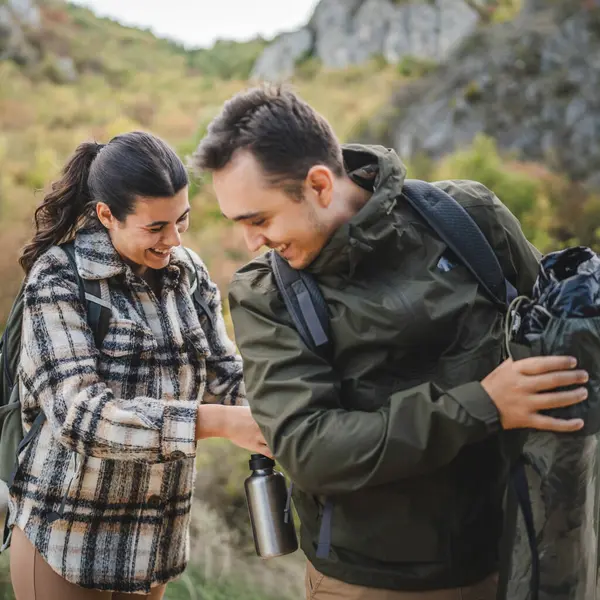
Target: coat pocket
[{"x": 127, "y": 338}]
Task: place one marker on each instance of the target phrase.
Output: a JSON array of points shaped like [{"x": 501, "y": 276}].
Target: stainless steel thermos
[{"x": 268, "y": 505}]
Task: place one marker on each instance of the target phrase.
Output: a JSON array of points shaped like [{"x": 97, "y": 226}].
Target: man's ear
[{"x": 319, "y": 182}]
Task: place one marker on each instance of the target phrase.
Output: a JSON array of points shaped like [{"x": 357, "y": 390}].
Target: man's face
[{"x": 296, "y": 228}]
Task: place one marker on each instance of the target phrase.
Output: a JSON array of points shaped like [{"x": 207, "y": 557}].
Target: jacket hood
[{"x": 381, "y": 171}]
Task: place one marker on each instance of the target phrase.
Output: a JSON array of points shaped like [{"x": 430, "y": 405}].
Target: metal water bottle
[{"x": 268, "y": 505}]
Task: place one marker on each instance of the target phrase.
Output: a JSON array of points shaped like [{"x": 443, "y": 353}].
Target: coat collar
[{"x": 97, "y": 258}]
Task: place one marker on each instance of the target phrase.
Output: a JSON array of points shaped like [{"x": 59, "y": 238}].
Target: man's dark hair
[{"x": 284, "y": 134}]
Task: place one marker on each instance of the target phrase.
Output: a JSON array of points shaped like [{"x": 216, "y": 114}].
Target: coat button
[
  {"x": 154, "y": 501},
  {"x": 177, "y": 455}
]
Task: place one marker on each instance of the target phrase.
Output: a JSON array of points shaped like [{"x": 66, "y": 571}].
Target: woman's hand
[{"x": 234, "y": 423}]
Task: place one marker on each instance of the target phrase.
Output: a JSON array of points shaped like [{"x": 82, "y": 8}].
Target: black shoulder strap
[
  {"x": 98, "y": 317},
  {"x": 461, "y": 233},
  {"x": 196, "y": 292},
  {"x": 305, "y": 303},
  {"x": 98, "y": 310}
]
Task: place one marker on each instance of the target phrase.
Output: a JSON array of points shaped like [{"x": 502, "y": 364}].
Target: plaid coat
[{"x": 119, "y": 439}]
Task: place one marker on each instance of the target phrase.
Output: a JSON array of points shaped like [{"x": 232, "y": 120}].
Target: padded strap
[
  {"x": 98, "y": 310},
  {"x": 195, "y": 291},
  {"x": 305, "y": 304},
  {"x": 461, "y": 234}
]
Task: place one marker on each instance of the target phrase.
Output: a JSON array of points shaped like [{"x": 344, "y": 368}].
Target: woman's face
[{"x": 146, "y": 238}]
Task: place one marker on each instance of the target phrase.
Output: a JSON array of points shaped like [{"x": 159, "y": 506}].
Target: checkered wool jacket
[{"x": 119, "y": 440}]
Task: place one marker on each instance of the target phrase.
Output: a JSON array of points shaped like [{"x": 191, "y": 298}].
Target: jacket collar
[
  {"x": 381, "y": 170},
  {"x": 97, "y": 258}
]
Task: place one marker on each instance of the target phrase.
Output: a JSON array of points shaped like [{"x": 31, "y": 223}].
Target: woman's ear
[{"x": 105, "y": 215}]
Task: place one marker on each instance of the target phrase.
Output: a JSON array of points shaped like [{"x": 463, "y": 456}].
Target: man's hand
[{"x": 520, "y": 389}]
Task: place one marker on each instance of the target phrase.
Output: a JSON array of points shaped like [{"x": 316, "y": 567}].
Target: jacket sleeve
[
  {"x": 295, "y": 398},
  {"x": 58, "y": 370},
  {"x": 225, "y": 381}
]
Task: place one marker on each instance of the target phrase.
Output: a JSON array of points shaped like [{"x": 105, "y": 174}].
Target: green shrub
[
  {"x": 411, "y": 66},
  {"x": 6, "y": 591},
  {"x": 227, "y": 59},
  {"x": 308, "y": 68},
  {"x": 482, "y": 162},
  {"x": 193, "y": 586}
]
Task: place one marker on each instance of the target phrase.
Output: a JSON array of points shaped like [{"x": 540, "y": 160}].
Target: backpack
[
  {"x": 12, "y": 439},
  {"x": 308, "y": 311}
]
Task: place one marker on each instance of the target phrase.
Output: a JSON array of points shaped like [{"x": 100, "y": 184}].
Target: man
[{"x": 399, "y": 432}]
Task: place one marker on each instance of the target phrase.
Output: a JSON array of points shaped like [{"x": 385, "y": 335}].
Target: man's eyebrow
[
  {"x": 157, "y": 223},
  {"x": 244, "y": 217}
]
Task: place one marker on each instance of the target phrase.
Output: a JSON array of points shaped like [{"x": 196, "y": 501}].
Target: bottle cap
[{"x": 260, "y": 461}]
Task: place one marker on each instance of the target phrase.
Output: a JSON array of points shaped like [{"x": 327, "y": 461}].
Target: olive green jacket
[{"x": 398, "y": 431}]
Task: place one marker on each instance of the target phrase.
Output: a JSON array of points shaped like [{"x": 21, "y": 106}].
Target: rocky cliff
[
  {"x": 532, "y": 84},
  {"x": 18, "y": 18},
  {"x": 25, "y": 39},
  {"x": 346, "y": 32}
]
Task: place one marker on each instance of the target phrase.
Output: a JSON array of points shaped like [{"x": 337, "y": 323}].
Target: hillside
[
  {"x": 124, "y": 79},
  {"x": 525, "y": 90}
]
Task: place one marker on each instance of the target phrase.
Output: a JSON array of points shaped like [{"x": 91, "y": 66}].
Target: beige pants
[
  {"x": 33, "y": 578},
  {"x": 321, "y": 587}
]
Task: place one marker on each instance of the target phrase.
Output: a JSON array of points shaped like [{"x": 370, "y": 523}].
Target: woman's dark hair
[{"x": 130, "y": 165}]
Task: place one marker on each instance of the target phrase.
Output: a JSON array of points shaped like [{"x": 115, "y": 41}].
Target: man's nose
[{"x": 254, "y": 241}]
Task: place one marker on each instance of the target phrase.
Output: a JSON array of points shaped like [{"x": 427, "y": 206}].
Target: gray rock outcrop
[
  {"x": 16, "y": 18},
  {"x": 347, "y": 32},
  {"x": 531, "y": 84},
  {"x": 282, "y": 55}
]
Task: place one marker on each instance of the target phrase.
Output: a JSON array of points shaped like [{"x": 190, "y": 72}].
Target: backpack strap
[
  {"x": 98, "y": 316},
  {"x": 308, "y": 310},
  {"x": 523, "y": 499},
  {"x": 196, "y": 292},
  {"x": 462, "y": 235},
  {"x": 305, "y": 303},
  {"x": 99, "y": 311}
]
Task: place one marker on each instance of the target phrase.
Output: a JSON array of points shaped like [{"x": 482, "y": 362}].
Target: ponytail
[{"x": 62, "y": 209}]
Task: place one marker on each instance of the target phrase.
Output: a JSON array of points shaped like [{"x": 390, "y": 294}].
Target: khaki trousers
[
  {"x": 321, "y": 587},
  {"x": 33, "y": 578}
]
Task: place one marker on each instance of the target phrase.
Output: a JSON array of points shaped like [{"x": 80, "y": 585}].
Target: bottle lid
[{"x": 260, "y": 461}]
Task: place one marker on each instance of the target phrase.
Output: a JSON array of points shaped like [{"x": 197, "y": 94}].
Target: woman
[{"x": 101, "y": 500}]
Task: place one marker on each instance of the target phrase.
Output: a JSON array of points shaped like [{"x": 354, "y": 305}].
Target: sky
[{"x": 199, "y": 23}]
